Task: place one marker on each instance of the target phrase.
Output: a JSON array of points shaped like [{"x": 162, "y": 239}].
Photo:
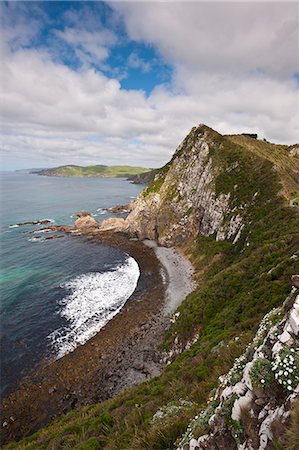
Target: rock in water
[
  {"x": 86, "y": 222},
  {"x": 82, "y": 214}
]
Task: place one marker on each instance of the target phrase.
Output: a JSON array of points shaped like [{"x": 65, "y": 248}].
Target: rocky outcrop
[
  {"x": 86, "y": 222},
  {"x": 252, "y": 405},
  {"x": 33, "y": 222},
  {"x": 183, "y": 201},
  {"x": 113, "y": 224},
  {"x": 81, "y": 214},
  {"x": 143, "y": 178},
  {"x": 119, "y": 209}
]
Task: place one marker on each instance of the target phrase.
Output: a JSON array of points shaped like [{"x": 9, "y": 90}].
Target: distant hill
[{"x": 92, "y": 171}]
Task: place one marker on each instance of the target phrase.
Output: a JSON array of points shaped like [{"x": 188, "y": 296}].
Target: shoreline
[
  {"x": 179, "y": 274},
  {"x": 122, "y": 354}
]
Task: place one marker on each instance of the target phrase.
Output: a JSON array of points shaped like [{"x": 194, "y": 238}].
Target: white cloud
[
  {"x": 233, "y": 70},
  {"x": 135, "y": 62},
  {"x": 228, "y": 37}
]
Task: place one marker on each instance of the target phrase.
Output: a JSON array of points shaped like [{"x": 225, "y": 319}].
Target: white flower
[
  {"x": 286, "y": 373},
  {"x": 289, "y": 388},
  {"x": 262, "y": 381}
]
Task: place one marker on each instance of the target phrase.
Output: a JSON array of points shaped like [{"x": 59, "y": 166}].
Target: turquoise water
[{"x": 56, "y": 294}]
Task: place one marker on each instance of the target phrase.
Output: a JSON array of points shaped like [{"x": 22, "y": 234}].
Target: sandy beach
[
  {"x": 125, "y": 352},
  {"x": 177, "y": 273}
]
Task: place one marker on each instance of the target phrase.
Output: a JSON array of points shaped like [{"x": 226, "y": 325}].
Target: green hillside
[
  {"x": 93, "y": 171},
  {"x": 237, "y": 284}
]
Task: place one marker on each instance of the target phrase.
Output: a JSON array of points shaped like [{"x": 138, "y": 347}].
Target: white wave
[
  {"x": 36, "y": 239},
  {"x": 101, "y": 211},
  {"x": 13, "y": 226},
  {"x": 45, "y": 230},
  {"x": 94, "y": 299}
]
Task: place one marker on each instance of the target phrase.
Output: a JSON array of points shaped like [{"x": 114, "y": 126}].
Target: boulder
[
  {"x": 115, "y": 225},
  {"x": 86, "y": 222},
  {"x": 295, "y": 280}
]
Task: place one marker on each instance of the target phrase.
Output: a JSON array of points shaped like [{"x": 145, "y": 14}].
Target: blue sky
[{"x": 123, "y": 82}]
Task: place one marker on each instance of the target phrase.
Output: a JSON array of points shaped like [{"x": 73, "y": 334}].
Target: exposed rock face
[
  {"x": 86, "y": 222},
  {"x": 113, "y": 224},
  {"x": 250, "y": 403},
  {"x": 182, "y": 200},
  {"x": 143, "y": 178}
]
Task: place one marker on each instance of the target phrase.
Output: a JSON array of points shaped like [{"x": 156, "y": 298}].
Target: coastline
[{"x": 122, "y": 354}]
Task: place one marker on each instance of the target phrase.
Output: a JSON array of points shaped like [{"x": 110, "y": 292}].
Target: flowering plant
[{"x": 285, "y": 368}]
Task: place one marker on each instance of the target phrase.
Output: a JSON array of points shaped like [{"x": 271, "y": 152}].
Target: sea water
[{"x": 56, "y": 294}]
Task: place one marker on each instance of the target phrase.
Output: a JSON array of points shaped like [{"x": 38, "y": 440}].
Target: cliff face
[{"x": 186, "y": 196}]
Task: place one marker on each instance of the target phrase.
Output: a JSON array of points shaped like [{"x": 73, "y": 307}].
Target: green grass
[
  {"x": 94, "y": 171},
  {"x": 237, "y": 285}
]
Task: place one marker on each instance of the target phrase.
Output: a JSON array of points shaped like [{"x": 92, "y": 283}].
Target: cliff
[
  {"x": 211, "y": 186},
  {"x": 230, "y": 203}
]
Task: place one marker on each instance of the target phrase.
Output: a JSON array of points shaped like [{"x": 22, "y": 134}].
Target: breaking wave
[{"x": 93, "y": 300}]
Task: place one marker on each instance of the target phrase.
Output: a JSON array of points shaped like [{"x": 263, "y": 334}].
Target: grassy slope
[
  {"x": 237, "y": 285},
  {"x": 94, "y": 171},
  {"x": 286, "y": 166}
]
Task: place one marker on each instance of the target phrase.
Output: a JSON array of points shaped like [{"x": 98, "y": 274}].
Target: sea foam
[{"x": 93, "y": 300}]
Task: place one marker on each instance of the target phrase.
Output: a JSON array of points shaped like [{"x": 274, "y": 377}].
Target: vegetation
[
  {"x": 261, "y": 373},
  {"x": 93, "y": 171},
  {"x": 237, "y": 285}
]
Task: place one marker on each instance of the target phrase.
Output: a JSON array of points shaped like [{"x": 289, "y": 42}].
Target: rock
[
  {"x": 285, "y": 337},
  {"x": 193, "y": 445},
  {"x": 241, "y": 403},
  {"x": 86, "y": 222},
  {"x": 119, "y": 209},
  {"x": 294, "y": 151},
  {"x": 33, "y": 222},
  {"x": 295, "y": 280},
  {"x": 62, "y": 228},
  {"x": 115, "y": 225},
  {"x": 294, "y": 317},
  {"x": 276, "y": 348},
  {"x": 81, "y": 214},
  {"x": 239, "y": 388}
]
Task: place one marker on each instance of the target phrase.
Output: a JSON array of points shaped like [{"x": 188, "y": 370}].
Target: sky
[{"x": 124, "y": 82}]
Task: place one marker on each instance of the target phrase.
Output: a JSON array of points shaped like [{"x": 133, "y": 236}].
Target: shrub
[{"x": 261, "y": 374}]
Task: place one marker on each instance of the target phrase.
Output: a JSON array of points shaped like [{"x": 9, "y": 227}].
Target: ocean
[{"x": 56, "y": 294}]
